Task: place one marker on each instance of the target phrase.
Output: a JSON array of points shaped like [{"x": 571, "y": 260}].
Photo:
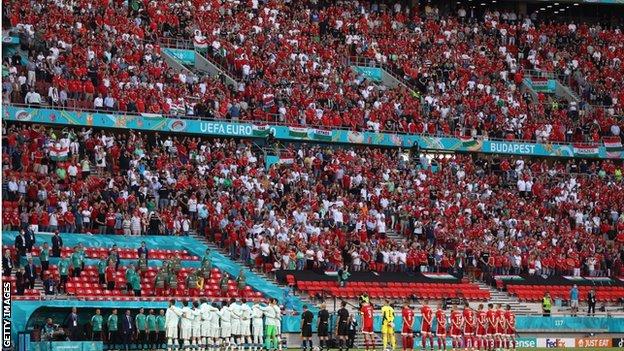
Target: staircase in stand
[
  {"x": 212, "y": 246},
  {"x": 502, "y": 297}
]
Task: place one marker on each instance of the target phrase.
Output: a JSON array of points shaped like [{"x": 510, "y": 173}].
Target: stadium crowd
[
  {"x": 321, "y": 207},
  {"x": 293, "y": 62}
]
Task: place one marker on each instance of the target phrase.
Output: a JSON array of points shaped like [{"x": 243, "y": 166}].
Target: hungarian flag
[
  {"x": 442, "y": 276},
  {"x": 58, "y": 153},
  {"x": 613, "y": 146},
  {"x": 468, "y": 141},
  {"x": 323, "y": 134},
  {"x": 539, "y": 83},
  {"x": 260, "y": 130},
  {"x": 268, "y": 100},
  {"x": 200, "y": 42},
  {"x": 298, "y": 132},
  {"x": 586, "y": 150}
]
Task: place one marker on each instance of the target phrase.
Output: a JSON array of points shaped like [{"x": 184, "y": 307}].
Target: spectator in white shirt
[
  {"x": 53, "y": 96},
  {"x": 522, "y": 187},
  {"x": 72, "y": 170},
  {"x": 32, "y": 98},
  {"x": 98, "y": 102},
  {"x": 109, "y": 102}
]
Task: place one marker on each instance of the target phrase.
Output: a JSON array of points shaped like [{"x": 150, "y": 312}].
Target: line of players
[
  {"x": 468, "y": 329},
  {"x": 234, "y": 325}
]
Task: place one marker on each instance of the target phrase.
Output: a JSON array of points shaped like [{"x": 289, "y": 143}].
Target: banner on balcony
[
  {"x": 298, "y": 132},
  {"x": 261, "y": 130},
  {"x": 321, "y": 134},
  {"x": 372, "y": 73},
  {"x": 186, "y": 57},
  {"x": 613, "y": 146},
  {"x": 586, "y": 150},
  {"x": 170, "y": 124},
  {"x": 542, "y": 84}
]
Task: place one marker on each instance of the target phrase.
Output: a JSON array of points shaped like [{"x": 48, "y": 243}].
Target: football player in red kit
[
  {"x": 425, "y": 326},
  {"x": 481, "y": 328},
  {"x": 441, "y": 328},
  {"x": 491, "y": 329},
  {"x": 469, "y": 327},
  {"x": 367, "y": 325},
  {"x": 456, "y": 327},
  {"x": 510, "y": 329},
  {"x": 407, "y": 333},
  {"x": 500, "y": 326}
]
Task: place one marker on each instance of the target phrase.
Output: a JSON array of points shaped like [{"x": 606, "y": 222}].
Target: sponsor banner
[
  {"x": 593, "y": 342},
  {"x": 584, "y": 150},
  {"x": 298, "y": 132},
  {"x": 526, "y": 342},
  {"x": 162, "y": 123},
  {"x": 617, "y": 342},
  {"x": 321, "y": 134},
  {"x": 555, "y": 343}
]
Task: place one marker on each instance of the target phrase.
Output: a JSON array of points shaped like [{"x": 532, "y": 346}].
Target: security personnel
[{"x": 546, "y": 305}]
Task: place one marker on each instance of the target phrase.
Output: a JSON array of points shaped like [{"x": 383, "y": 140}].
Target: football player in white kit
[
  {"x": 196, "y": 327},
  {"x": 172, "y": 319},
  {"x": 257, "y": 327},
  {"x": 235, "y": 311},
  {"x": 205, "y": 310},
  {"x": 226, "y": 325},
  {"x": 245, "y": 326},
  {"x": 213, "y": 326},
  {"x": 186, "y": 324}
]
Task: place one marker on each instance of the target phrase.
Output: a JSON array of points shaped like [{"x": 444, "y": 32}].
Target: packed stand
[
  {"x": 327, "y": 209},
  {"x": 294, "y": 66}
]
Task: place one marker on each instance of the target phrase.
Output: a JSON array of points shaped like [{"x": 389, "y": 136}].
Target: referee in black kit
[
  {"x": 343, "y": 326},
  {"x": 323, "y": 327},
  {"x": 306, "y": 327}
]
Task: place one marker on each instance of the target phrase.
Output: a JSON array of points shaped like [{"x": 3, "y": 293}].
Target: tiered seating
[
  {"x": 301, "y": 62},
  {"x": 29, "y": 294},
  {"x": 395, "y": 290},
  {"x": 535, "y": 293},
  {"x": 86, "y": 286},
  {"x": 124, "y": 253}
]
